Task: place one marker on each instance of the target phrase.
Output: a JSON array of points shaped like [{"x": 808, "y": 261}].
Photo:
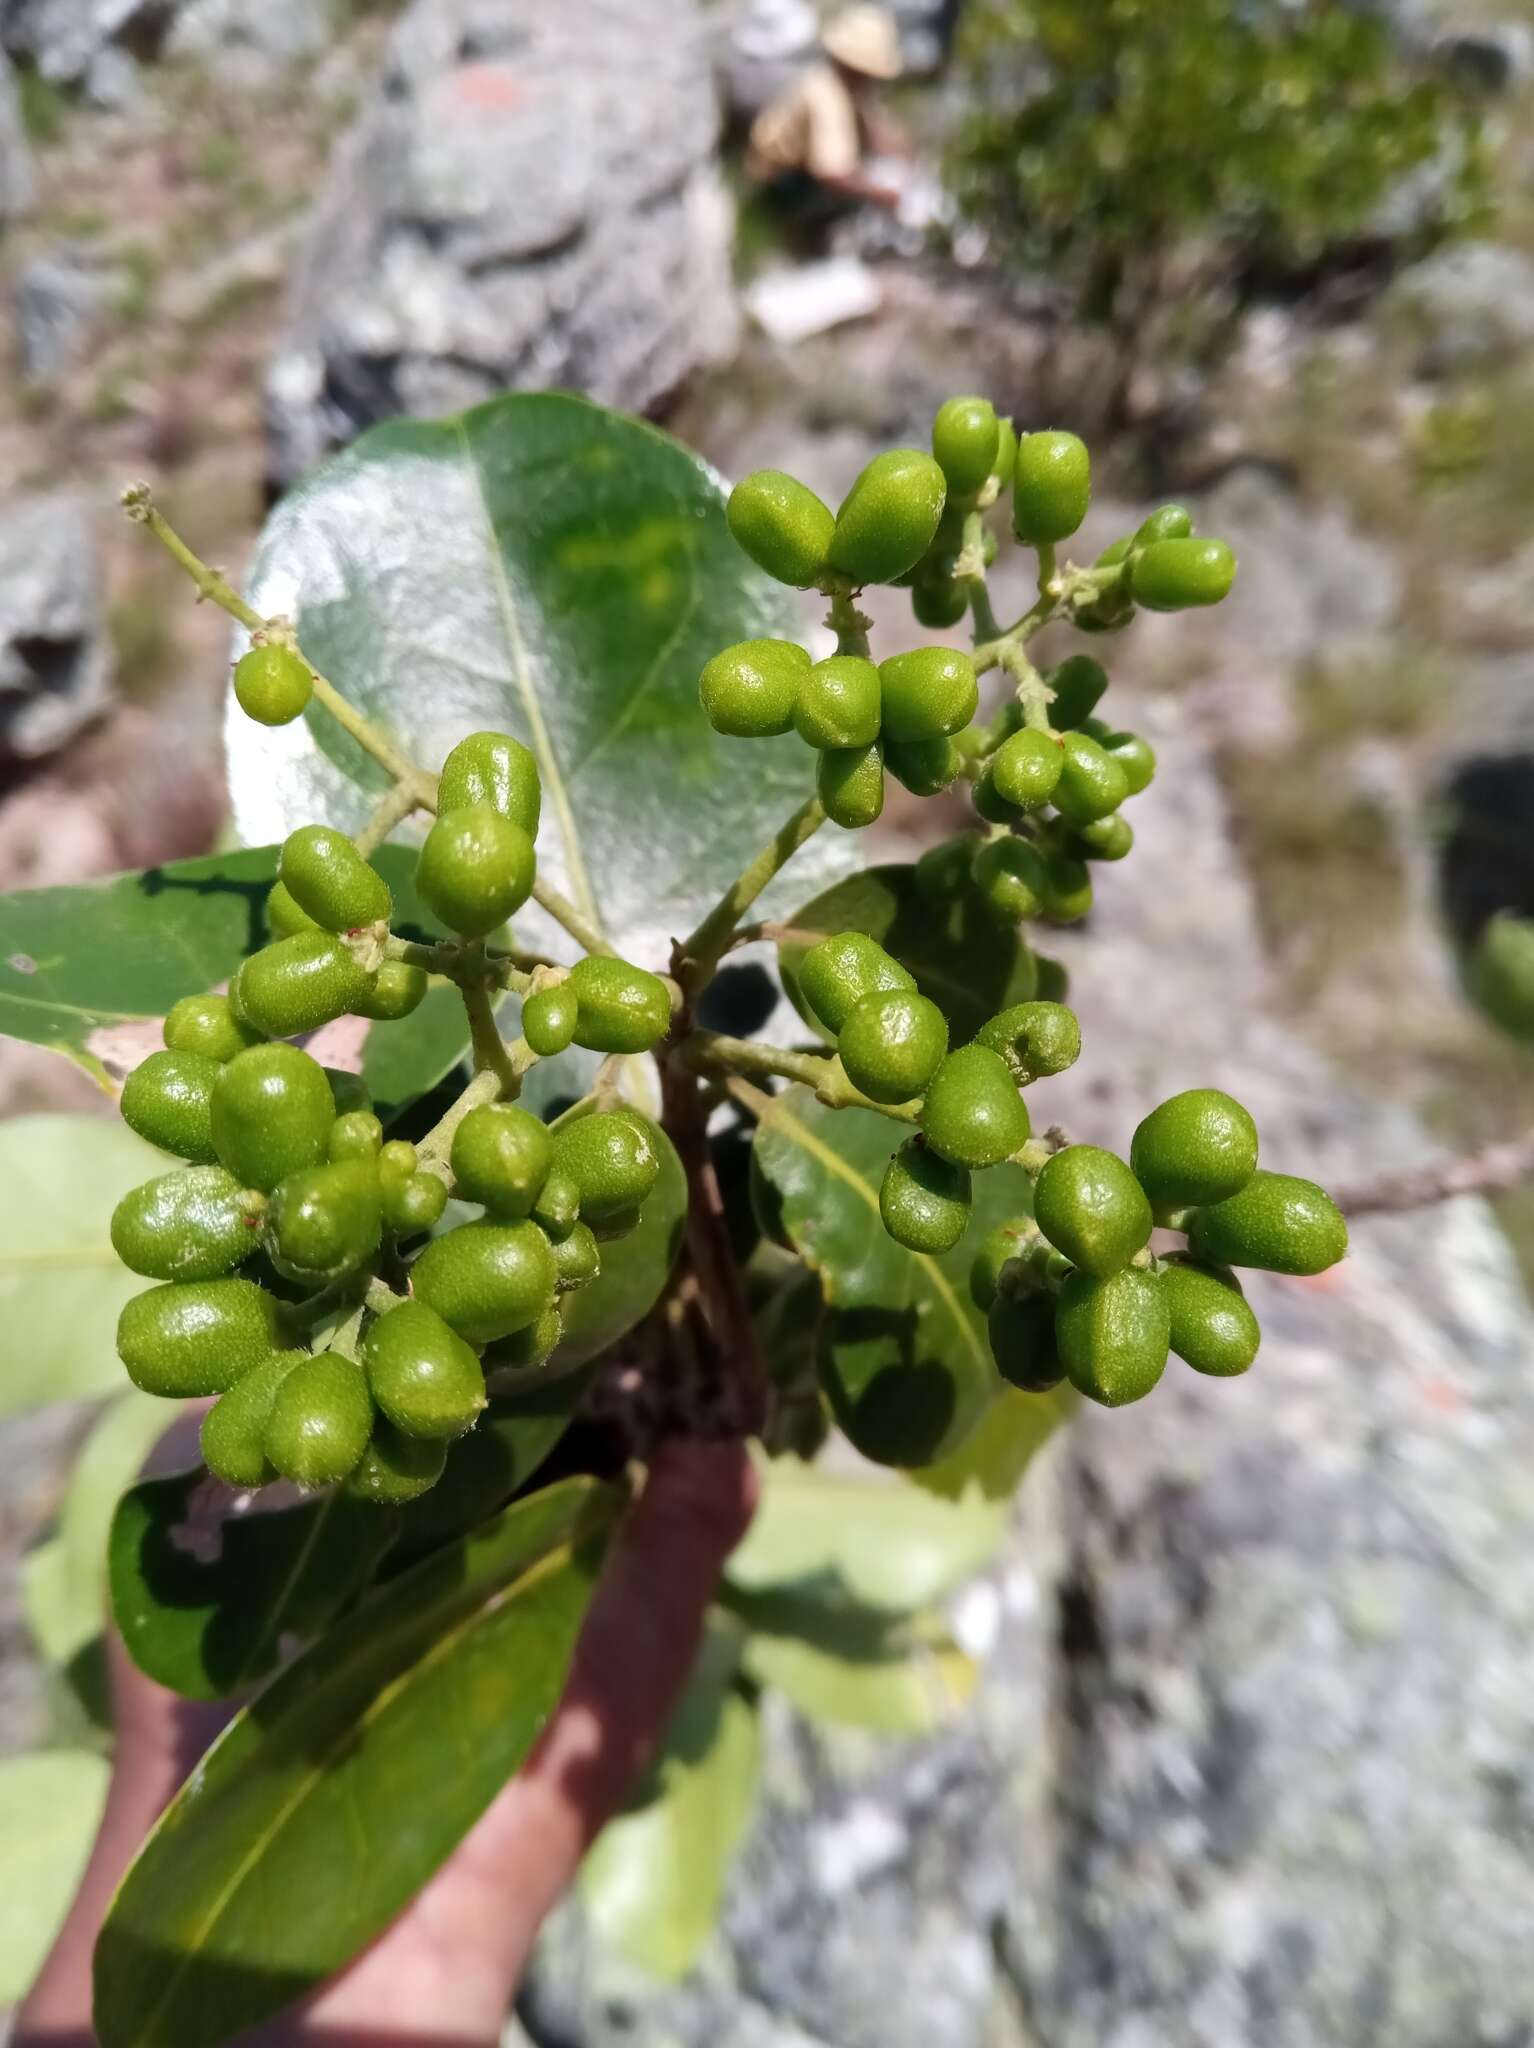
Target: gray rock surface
[
  {"x": 1493, "y": 56},
  {"x": 531, "y": 199},
  {"x": 17, "y": 179},
  {"x": 1471, "y": 306},
  {"x": 55, "y": 661},
  {"x": 1250, "y": 1764},
  {"x": 61, "y": 38},
  {"x": 57, "y": 301}
]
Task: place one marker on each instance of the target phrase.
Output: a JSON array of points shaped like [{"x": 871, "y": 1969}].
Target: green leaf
[
  {"x": 50, "y": 1804},
  {"x": 634, "y": 1268},
  {"x": 542, "y": 567},
  {"x": 967, "y": 963},
  {"x": 906, "y": 1690},
  {"x": 328, "y": 1802},
  {"x": 204, "y": 1597},
  {"x": 905, "y": 1358},
  {"x": 990, "y": 1463},
  {"x": 60, "y": 1281}
]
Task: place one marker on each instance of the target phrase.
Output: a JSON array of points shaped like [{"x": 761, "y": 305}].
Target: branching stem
[{"x": 694, "y": 959}]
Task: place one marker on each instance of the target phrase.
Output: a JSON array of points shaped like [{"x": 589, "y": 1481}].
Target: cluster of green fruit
[{"x": 1073, "y": 1291}]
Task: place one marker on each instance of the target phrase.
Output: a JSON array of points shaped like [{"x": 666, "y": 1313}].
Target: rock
[
  {"x": 57, "y": 299},
  {"x": 17, "y": 182},
  {"x": 1493, "y": 57},
  {"x": 55, "y": 663},
  {"x": 525, "y": 203},
  {"x": 237, "y": 38},
  {"x": 61, "y": 38},
  {"x": 767, "y": 43},
  {"x": 1471, "y": 305}
]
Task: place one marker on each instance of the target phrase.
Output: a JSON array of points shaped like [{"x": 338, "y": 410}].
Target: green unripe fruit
[
  {"x": 1067, "y": 888},
  {"x": 888, "y": 519},
  {"x": 168, "y": 1100},
  {"x": 892, "y": 1045},
  {"x": 301, "y": 983},
  {"x": 486, "y": 1279},
  {"x": 577, "y": 1259},
  {"x": 272, "y": 685},
  {"x": 1277, "y": 1222},
  {"x": 1113, "y": 1335},
  {"x": 272, "y": 1113},
  {"x": 749, "y": 691},
  {"x": 206, "y": 1024},
  {"x": 320, "y": 1422},
  {"x": 1092, "y": 785},
  {"x": 1110, "y": 612},
  {"x": 326, "y": 1220},
  {"x": 1051, "y": 487},
  {"x": 1116, "y": 552},
  {"x": 1021, "y": 1328},
  {"x": 782, "y": 526},
  {"x": 925, "y": 1201},
  {"x": 1195, "y": 1149},
  {"x": 501, "y": 1157},
  {"x": 558, "y": 1207},
  {"x": 1173, "y": 575},
  {"x": 398, "y": 990},
  {"x": 944, "y": 870},
  {"x": 924, "y": 767},
  {"x": 999, "y": 1247},
  {"x": 989, "y": 802},
  {"x": 475, "y": 869},
  {"x": 1134, "y": 755},
  {"x": 495, "y": 769},
  {"x": 845, "y": 970},
  {"x": 1036, "y": 1040},
  {"x": 348, "y": 1091},
  {"x": 283, "y": 916},
  {"x": 616, "y": 1223},
  {"x": 192, "y": 1338},
  {"x": 357, "y": 1135},
  {"x": 529, "y": 1347},
  {"x": 328, "y": 879},
  {"x": 233, "y": 1438},
  {"x": 613, "y": 1160},
  {"x": 973, "y": 1114},
  {"x": 620, "y": 1007},
  {"x": 1090, "y": 1206},
  {"x": 549, "y": 1019},
  {"x": 1026, "y": 768},
  {"x": 1004, "y": 467},
  {"x": 1078, "y": 684},
  {"x": 413, "y": 1205},
  {"x": 1104, "y": 839},
  {"x": 197, "y": 1224},
  {"x": 395, "y": 1468},
  {"x": 1012, "y": 880},
  {"x": 422, "y": 1377},
  {"x": 1499, "y": 975},
  {"x": 927, "y": 694},
  {"x": 1167, "y": 522},
  {"x": 398, "y": 1159},
  {"x": 1213, "y": 1328},
  {"x": 838, "y": 703},
  {"x": 939, "y": 601},
  {"x": 965, "y": 435},
  {"x": 850, "y": 784}
]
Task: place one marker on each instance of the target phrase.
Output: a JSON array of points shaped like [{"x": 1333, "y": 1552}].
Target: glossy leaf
[
  {"x": 543, "y": 567},
  {"x": 967, "y": 963},
  {"x": 204, "y": 1595},
  {"x": 634, "y": 1268},
  {"x": 329, "y": 1801},
  {"x": 50, "y": 1804},
  {"x": 62, "y": 1286}
]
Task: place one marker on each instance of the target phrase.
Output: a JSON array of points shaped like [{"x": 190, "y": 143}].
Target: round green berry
[
  {"x": 989, "y": 801},
  {"x": 320, "y": 1422},
  {"x": 1113, "y": 1334},
  {"x": 973, "y": 1114},
  {"x": 892, "y": 1045},
  {"x": 501, "y": 1157},
  {"x": 850, "y": 784},
  {"x": 1026, "y": 768},
  {"x": 326, "y": 1221},
  {"x": 1167, "y": 522},
  {"x": 398, "y": 990},
  {"x": 397, "y": 1160},
  {"x": 527, "y": 1347},
  {"x": 888, "y": 519},
  {"x": 577, "y": 1259},
  {"x": 965, "y": 435},
  {"x": 1092, "y": 785},
  {"x": 272, "y": 684},
  {"x": 1078, "y": 684},
  {"x": 1104, "y": 839},
  {"x": 1051, "y": 487},
  {"x": 1499, "y": 975},
  {"x": 927, "y": 694},
  {"x": 190, "y": 1338},
  {"x": 1090, "y": 1206},
  {"x": 283, "y": 915},
  {"x": 233, "y": 1438},
  {"x": 843, "y": 971},
  {"x": 396, "y": 1469},
  {"x": 1036, "y": 1040},
  {"x": 1195, "y": 1149},
  {"x": 422, "y": 1377},
  {"x": 197, "y": 1224},
  {"x": 549, "y": 1019},
  {"x": 838, "y": 703},
  {"x": 1173, "y": 575},
  {"x": 998, "y": 1249},
  {"x": 413, "y": 1204},
  {"x": 330, "y": 881},
  {"x": 749, "y": 691},
  {"x": 938, "y": 602},
  {"x": 1277, "y": 1222},
  {"x": 495, "y": 769},
  {"x": 558, "y": 1206},
  {"x": 1067, "y": 888},
  {"x": 619, "y": 1007},
  {"x": 612, "y": 1158},
  {"x": 475, "y": 869},
  {"x": 207, "y": 1024},
  {"x": 782, "y": 526},
  {"x": 1012, "y": 880},
  {"x": 486, "y": 1279},
  {"x": 1134, "y": 755},
  {"x": 1213, "y": 1328},
  {"x": 168, "y": 1099},
  {"x": 271, "y": 1114},
  {"x": 924, "y": 767},
  {"x": 298, "y": 984},
  {"x": 1021, "y": 1328},
  {"x": 924, "y": 1201},
  {"x": 356, "y": 1135}
]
